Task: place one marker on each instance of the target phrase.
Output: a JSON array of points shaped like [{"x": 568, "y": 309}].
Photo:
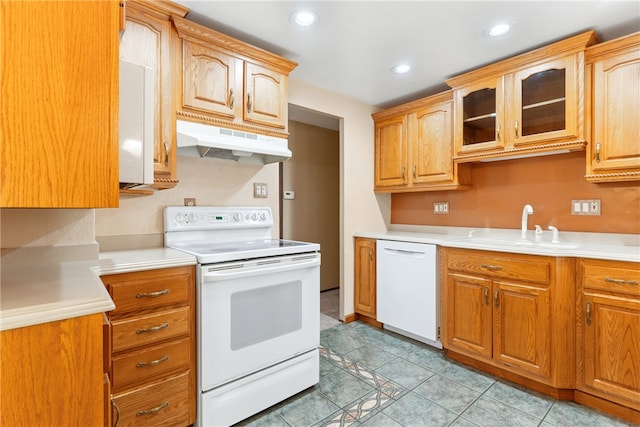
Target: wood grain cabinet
[
  {"x": 510, "y": 311},
  {"x": 613, "y": 108},
  {"x": 149, "y": 40},
  {"x": 52, "y": 374},
  {"x": 608, "y": 332},
  {"x": 229, "y": 83},
  {"x": 152, "y": 347},
  {"x": 59, "y": 104},
  {"x": 414, "y": 147},
  {"x": 365, "y": 278},
  {"x": 531, "y": 103}
]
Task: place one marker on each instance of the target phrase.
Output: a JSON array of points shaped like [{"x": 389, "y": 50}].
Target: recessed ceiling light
[
  {"x": 304, "y": 17},
  {"x": 499, "y": 29},
  {"x": 401, "y": 69}
]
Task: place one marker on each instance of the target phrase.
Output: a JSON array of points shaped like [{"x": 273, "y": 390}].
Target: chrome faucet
[{"x": 526, "y": 211}]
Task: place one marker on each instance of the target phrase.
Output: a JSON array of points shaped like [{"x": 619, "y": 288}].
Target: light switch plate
[
  {"x": 260, "y": 190},
  {"x": 586, "y": 207}
]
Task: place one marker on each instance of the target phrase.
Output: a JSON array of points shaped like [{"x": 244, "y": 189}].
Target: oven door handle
[{"x": 217, "y": 274}]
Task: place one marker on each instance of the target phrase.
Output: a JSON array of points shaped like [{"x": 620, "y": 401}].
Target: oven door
[{"x": 255, "y": 314}]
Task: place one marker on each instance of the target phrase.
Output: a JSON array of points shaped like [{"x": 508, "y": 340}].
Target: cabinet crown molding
[
  {"x": 412, "y": 106},
  {"x": 571, "y": 45},
  {"x": 161, "y": 8},
  {"x": 197, "y": 33},
  {"x": 612, "y": 47}
]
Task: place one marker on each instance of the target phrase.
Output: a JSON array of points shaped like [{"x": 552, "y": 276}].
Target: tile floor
[{"x": 374, "y": 378}]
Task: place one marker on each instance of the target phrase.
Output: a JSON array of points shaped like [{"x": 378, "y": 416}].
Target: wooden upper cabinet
[
  {"x": 226, "y": 82},
  {"x": 265, "y": 96},
  {"x": 531, "y": 103},
  {"x": 59, "y": 104},
  {"x": 391, "y": 152},
  {"x": 209, "y": 81},
  {"x": 414, "y": 147},
  {"x": 613, "y": 78},
  {"x": 148, "y": 40}
]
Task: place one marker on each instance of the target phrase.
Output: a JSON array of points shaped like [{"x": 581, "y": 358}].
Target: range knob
[
  {"x": 191, "y": 217},
  {"x": 181, "y": 218},
  {"x": 237, "y": 217},
  {"x": 254, "y": 216},
  {"x": 263, "y": 216}
]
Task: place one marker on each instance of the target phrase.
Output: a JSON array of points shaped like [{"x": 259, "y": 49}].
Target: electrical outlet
[
  {"x": 260, "y": 190},
  {"x": 586, "y": 207},
  {"x": 189, "y": 201},
  {"x": 440, "y": 208}
]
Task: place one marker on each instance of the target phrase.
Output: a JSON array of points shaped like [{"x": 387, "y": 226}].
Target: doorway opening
[{"x": 310, "y": 198}]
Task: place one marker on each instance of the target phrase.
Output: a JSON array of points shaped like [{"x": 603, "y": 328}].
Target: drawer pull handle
[
  {"x": 621, "y": 281},
  {"x": 496, "y": 298},
  {"x": 152, "y": 363},
  {"x": 114, "y": 405},
  {"x": 152, "y": 410},
  {"x": 491, "y": 267},
  {"x": 152, "y": 329},
  {"x": 588, "y": 313},
  {"x": 486, "y": 295},
  {"x": 153, "y": 294}
]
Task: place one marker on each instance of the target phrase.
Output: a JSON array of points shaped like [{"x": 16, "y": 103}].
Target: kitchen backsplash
[{"x": 548, "y": 183}]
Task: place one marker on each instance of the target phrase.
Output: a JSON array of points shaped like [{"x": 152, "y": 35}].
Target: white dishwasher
[{"x": 408, "y": 295}]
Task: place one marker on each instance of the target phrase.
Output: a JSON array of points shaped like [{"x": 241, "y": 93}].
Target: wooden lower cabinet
[
  {"x": 510, "y": 311},
  {"x": 608, "y": 333},
  {"x": 365, "y": 280},
  {"x": 52, "y": 374},
  {"x": 152, "y": 347}
]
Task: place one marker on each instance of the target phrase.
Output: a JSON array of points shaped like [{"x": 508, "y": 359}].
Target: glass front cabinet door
[
  {"x": 480, "y": 119},
  {"x": 534, "y": 105},
  {"x": 545, "y": 103}
]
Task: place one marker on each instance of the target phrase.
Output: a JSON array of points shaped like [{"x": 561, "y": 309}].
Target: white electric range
[{"x": 258, "y": 309}]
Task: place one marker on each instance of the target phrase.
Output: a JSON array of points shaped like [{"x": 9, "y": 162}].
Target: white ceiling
[{"x": 354, "y": 44}]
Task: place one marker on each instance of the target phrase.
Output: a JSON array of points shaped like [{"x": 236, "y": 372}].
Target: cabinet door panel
[
  {"x": 433, "y": 145},
  {"x": 469, "y": 317},
  {"x": 616, "y": 111},
  {"x": 365, "y": 277},
  {"x": 522, "y": 319},
  {"x": 391, "y": 152},
  {"x": 147, "y": 41},
  {"x": 612, "y": 345},
  {"x": 265, "y": 96},
  {"x": 545, "y": 103},
  {"x": 59, "y": 101},
  {"x": 479, "y": 116},
  {"x": 209, "y": 80}
]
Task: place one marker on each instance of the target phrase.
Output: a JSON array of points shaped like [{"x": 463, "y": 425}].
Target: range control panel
[{"x": 181, "y": 218}]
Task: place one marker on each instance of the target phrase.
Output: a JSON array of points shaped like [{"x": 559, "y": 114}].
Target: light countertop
[
  {"x": 608, "y": 246},
  {"x": 55, "y": 288}
]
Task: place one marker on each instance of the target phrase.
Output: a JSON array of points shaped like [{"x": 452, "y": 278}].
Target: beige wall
[
  {"x": 211, "y": 181},
  {"x": 360, "y": 208},
  {"x": 46, "y": 227},
  {"x": 313, "y": 173}
]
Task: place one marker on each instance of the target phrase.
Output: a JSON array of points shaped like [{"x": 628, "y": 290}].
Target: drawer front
[
  {"x": 527, "y": 269},
  {"x": 150, "y": 289},
  {"x": 165, "y": 403},
  {"x": 612, "y": 276},
  {"x": 142, "y": 365},
  {"x": 147, "y": 329}
]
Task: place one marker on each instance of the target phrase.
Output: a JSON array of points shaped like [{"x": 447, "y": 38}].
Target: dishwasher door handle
[{"x": 404, "y": 252}]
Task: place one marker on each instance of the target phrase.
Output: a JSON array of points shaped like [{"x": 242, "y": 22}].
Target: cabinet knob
[{"x": 165, "y": 144}]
